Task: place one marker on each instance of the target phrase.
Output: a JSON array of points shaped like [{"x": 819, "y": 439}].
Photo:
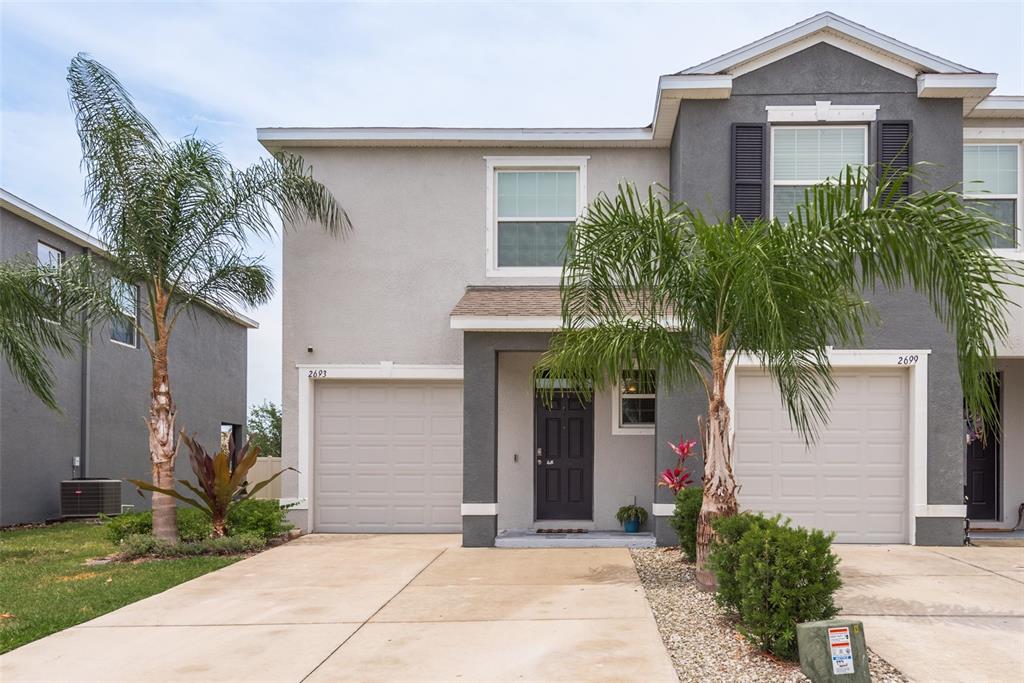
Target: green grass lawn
[{"x": 45, "y": 585}]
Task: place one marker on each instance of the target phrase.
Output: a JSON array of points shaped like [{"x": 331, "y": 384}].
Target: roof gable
[{"x": 835, "y": 30}]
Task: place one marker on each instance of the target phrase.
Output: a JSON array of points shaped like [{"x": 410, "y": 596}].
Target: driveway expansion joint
[{"x": 378, "y": 610}]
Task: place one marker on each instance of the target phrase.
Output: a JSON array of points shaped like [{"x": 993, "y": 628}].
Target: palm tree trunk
[
  {"x": 719, "y": 483},
  {"x": 161, "y": 432}
]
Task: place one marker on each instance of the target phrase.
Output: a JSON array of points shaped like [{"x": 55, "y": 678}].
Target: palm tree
[
  {"x": 652, "y": 284},
  {"x": 43, "y": 310},
  {"x": 177, "y": 219}
]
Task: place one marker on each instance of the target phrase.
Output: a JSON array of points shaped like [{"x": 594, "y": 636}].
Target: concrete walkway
[
  {"x": 373, "y": 608},
  {"x": 939, "y": 614}
]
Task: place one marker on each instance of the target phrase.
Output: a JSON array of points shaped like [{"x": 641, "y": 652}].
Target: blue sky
[{"x": 222, "y": 70}]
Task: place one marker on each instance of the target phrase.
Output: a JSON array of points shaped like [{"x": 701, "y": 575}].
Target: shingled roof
[{"x": 532, "y": 301}]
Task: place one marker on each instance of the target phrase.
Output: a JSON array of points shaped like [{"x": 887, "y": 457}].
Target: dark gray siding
[
  {"x": 208, "y": 378},
  {"x": 36, "y": 444},
  {"x": 480, "y": 423},
  {"x": 700, "y": 167}
]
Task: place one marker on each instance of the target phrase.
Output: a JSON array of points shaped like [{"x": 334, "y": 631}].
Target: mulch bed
[{"x": 701, "y": 640}]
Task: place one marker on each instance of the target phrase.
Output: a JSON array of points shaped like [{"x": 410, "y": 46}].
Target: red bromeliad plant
[
  {"x": 220, "y": 480},
  {"x": 675, "y": 478}
]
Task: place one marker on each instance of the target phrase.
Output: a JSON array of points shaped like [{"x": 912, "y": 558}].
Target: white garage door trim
[
  {"x": 916, "y": 363},
  {"x": 309, "y": 374}
]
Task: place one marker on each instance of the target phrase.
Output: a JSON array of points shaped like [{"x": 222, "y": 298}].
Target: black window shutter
[
  {"x": 894, "y": 151},
  {"x": 749, "y": 170}
]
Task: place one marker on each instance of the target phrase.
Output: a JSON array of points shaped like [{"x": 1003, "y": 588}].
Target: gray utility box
[{"x": 833, "y": 650}]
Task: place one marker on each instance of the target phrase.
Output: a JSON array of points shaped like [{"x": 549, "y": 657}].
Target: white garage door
[
  {"x": 388, "y": 456},
  {"x": 853, "y": 480}
]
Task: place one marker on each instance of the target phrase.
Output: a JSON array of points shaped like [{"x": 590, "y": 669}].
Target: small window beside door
[{"x": 636, "y": 403}]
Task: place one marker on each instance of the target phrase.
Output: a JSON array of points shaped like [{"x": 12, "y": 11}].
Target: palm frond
[{"x": 44, "y": 311}]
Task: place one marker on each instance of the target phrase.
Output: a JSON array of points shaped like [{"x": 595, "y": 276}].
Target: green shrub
[
  {"x": 724, "y": 557},
  {"x": 193, "y": 525},
  {"x": 147, "y": 545},
  {"x": 782, "y": 576},
  {"x": 684, "y": 519},
  {"x": 141, "y": 545},
  {"x": 263, "y": 518}
]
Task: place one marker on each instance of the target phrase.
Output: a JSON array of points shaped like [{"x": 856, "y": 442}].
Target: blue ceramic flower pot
[{"x": 632, "y": 526}]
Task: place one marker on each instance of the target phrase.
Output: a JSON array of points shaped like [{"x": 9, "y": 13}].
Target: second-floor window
[
  {"x": 992, "y": 183},
  {"x": 533, "y": 203},
  {"x": 50, "y": 257},
  {"x": 122, "y": 325},
  {"x": 803, "y": 156}
]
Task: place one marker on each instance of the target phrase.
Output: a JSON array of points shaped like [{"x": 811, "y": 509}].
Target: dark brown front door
[
  {"x": 982, "y": 465},
  {"x": 564, "y": 458}
]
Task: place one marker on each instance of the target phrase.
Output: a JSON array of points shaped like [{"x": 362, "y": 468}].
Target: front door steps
[{"x": 530, "y": 538}]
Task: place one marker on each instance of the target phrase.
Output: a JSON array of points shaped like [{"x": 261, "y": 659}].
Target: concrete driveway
[
  {"x": 939, "y": 614},
  {"x": 373, "y": 608}
]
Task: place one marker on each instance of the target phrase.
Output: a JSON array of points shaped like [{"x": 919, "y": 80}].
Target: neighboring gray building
[
  {"x": 103, "y": 390},
  {"x": 408, "y": 348}
]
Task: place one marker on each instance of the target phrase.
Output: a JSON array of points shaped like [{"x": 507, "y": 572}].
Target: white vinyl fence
[{"x": 264, "y": 468}]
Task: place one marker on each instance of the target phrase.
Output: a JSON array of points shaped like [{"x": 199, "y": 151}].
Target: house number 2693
[
  {"x": 317, "y": 374},
  {"x": 906, "y": 360}
]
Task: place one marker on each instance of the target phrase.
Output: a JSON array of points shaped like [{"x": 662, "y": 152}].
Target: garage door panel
[
  {"x": 388, "y": 456},
  {"x": 793, "y": 453},
  {"x": 853, "y": 480}
]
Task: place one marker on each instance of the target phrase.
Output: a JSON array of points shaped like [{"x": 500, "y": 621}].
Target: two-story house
[
  {"x": 103, "y": 390},
  {"x": 408, "y": 349}
]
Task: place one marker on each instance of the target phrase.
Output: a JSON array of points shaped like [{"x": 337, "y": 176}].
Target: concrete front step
[{"x": 528, "y": 538}]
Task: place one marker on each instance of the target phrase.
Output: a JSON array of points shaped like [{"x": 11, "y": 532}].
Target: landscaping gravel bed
[{"x": 701, "y": 640}]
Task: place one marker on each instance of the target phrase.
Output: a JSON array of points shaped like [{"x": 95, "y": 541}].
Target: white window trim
[
  {"x": 309, "y": 374},
  {"x": 619, "y": 429},
  {"x": 135, "y": 330},
  {"x": 823, "y": 111},
  {"x": 974, "y": 137},
  {"x": 536, "y": 163},
  {"x": 917, "y": 500},
  {"x": 60, "y": 264},
  {"x": 771, "y": 161}
]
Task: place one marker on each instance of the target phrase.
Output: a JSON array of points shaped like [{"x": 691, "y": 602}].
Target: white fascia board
[
  {"x": 696, "y": 86},
  {"x": 999, "y": 107},
  {"x": 47, "y": 221},
  {"x": 494, "y": 323},
  {"x": 275, "y": 138},
  {"x": 956, "y": 85},
  {"x": 51, "y": 223},
  {"x": 821, "y": 23},
  {"x": 673, "y": 88}
]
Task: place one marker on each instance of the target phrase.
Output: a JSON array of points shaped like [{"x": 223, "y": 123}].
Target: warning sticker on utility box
[{"x": 841, "y": 650}]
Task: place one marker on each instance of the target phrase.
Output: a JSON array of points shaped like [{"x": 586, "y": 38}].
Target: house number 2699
[
  {"x": 317, "y": 374},
  {"x": 906, "y": 360}
]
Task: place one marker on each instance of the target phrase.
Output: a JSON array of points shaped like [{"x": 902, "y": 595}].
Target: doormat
[{"x": 561, "y": 531}]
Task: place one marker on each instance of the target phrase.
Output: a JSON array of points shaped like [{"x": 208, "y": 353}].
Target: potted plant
[{"x": 631, "y": 517}]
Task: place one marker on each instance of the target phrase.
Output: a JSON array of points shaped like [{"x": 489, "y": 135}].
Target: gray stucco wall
[
  {"x": 700, "y": 167},
  {"x": 480, "y": 424},
  {"x": 385, "y": 292},
  {"x": 208, "y": 378}
]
